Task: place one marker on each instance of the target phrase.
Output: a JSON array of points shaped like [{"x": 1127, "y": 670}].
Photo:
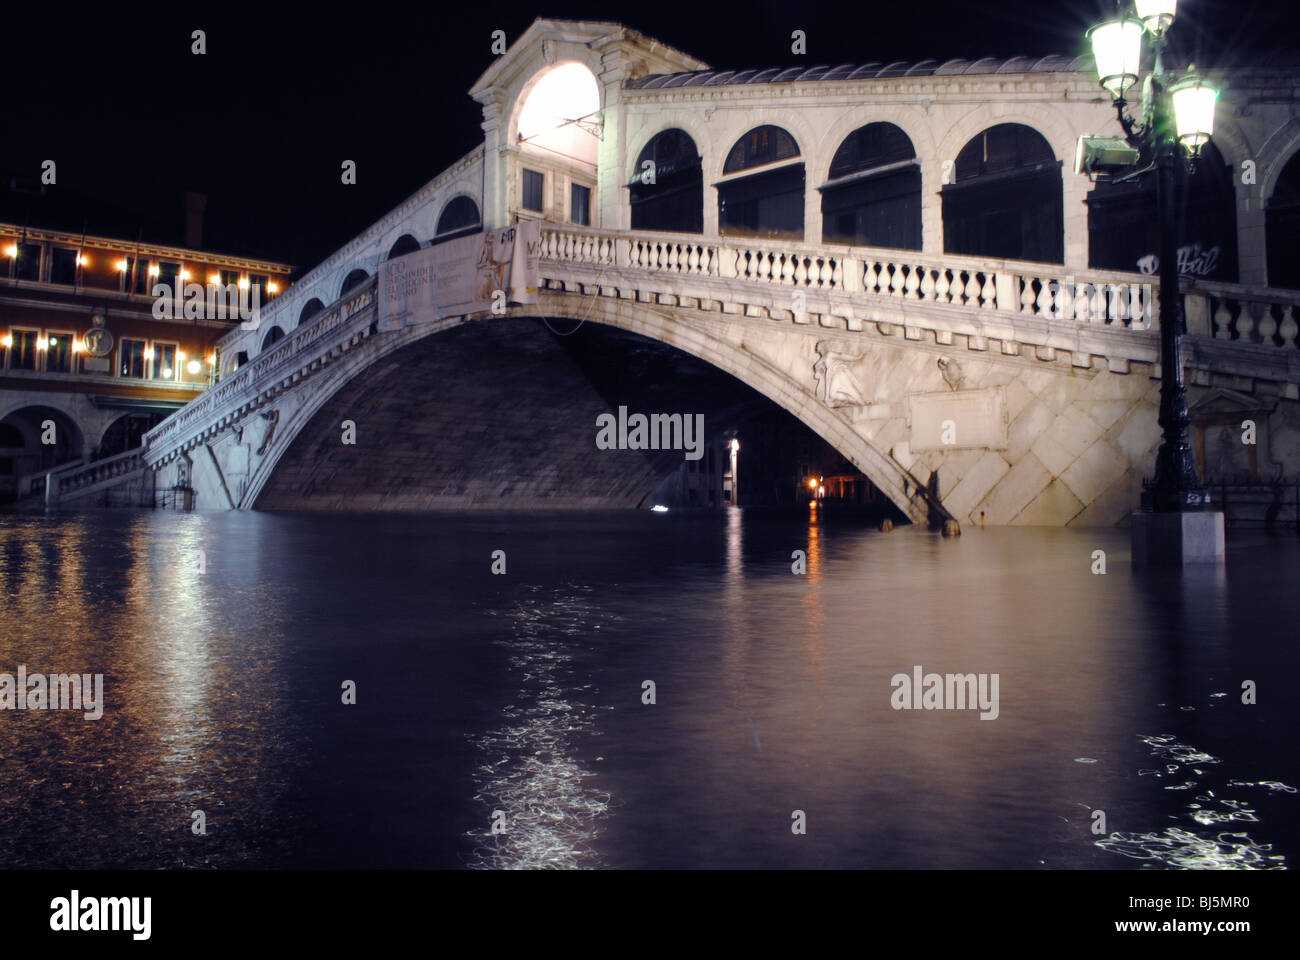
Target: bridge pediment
[{"x": 547, "y": 42}]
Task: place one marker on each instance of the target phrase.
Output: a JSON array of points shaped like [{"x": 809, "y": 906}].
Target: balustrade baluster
[
  {"x": 1267, "y": 324},
  {"x": 1288, "y": 328},
  {"x": 1222, "y": 321},
  {"x": 942, "y": 286},
  {"x": 927, "y": 283},
  {"x": 1245, "y": 323}
]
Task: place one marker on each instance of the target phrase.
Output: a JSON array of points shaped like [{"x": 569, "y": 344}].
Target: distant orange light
[
  {"x": 153, "y": 270},
  {"x": 273, "y": 287},
  {"x": 76, "y": 346},
  {"x": 243, "y": 283},
  {"x": 121, "y": 265},
  {"x": 214, "y": 278},
  {"x": 83, "y": 260},
  {"x": 184, "y": 274},
  {"x": 11, "y": 251},
  {"x": 8, "y": 341}
]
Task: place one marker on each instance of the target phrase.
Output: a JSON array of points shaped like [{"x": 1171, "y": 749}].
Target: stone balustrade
[
  {"x": 1028, "y": 289},
  {"x": 1112, "y": 314},
  {"x": 1254, "y": 315},
  {"x": 301, "y": 352}
]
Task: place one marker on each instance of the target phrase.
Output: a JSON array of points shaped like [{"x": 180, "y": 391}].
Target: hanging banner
[{"x": 466, "y": 275}]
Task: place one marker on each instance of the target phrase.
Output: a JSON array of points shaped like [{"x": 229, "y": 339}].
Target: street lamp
[{"x": 1175, "y": 116}]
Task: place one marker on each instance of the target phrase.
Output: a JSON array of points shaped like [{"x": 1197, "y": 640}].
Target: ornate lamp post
[{"x": 1176, "y": 117}]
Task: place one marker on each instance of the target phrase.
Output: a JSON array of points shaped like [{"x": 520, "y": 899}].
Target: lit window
[
  {"x": 164, "y": 361},
  {"x": 63, "y": 265},
  {"x": 580, "y": 205},
  {"x": 58, "y": 353},
  {"x": 131, "y": 358},
  {"x": 533, "y": 182},
  {"x": 22, "y": 355},
  {"x": 27, "y": 265}
]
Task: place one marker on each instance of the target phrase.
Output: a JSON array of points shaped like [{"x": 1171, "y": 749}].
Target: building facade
[{"x": 90, "y": 358}]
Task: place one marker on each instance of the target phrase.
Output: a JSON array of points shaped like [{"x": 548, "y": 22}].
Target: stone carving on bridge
[
  {"x": 272, "y": 417},
  {"x": 952, "y": 374},
  {"x": 840, "y": 377}
]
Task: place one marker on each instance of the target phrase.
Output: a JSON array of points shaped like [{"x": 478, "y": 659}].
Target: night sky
[{"x": 262, "y": 122}]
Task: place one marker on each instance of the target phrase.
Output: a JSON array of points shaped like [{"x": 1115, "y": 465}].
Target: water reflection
[
  {"x": 522, "y": 694},
  {"x": 533, "y": 791}
]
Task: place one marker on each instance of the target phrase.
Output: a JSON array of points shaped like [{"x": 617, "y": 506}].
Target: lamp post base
[{"x": 1177, "y": 539}]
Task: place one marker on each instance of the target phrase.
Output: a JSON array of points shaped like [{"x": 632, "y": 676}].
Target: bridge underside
[{"x": 503, "y": 414}]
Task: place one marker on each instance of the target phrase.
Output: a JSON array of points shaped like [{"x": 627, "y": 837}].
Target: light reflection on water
[
  {"x": 550, "y": 809},
  {"x": 523, "y": 694}
]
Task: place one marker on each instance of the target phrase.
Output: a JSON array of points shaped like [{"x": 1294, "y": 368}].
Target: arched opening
[
  {"x": 1282, "y": 228},
  {"x": 873, "y": 195},
  {"x": 309, "y": 310},
  {"x": 273, "y": 336},
  {"x": 561, "y": 115},
  {"x": 667, "y": 188},
  {"x": 1124, "y": 222},
  {"x": 23, "y": 450},
  {"x": 127, "y": 433},
  {"x": 353, "y": 279},
  {"x": 761, "y": 193},
  {"x": 405, "y": 244},
  {"x": 1006, "y": 198},
  {"x": 458, "y": 218}
]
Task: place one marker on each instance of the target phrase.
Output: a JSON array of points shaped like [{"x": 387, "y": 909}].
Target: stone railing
[
  {"x": 304, "y": 346},
  {"x": 1257, "y": 315},
  {"x": 69, "y": 479},
  {"x": 1027, "y": 289}
]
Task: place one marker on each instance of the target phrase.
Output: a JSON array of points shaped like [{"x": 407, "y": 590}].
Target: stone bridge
[{"x": 1012, "y": 391}]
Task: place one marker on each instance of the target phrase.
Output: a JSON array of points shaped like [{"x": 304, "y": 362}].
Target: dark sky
[{"x": 262, "y": 122}]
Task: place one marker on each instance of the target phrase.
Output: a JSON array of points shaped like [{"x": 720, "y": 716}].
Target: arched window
[
  {"x": 667, "y": 188},
  {"x": 873, "y": 196},
  {"x": 126, "y": 433},
  {"x": 560, "y": 117},
  {"x": 459, "y": 217},
  {"x": 273, "y": 336},
  {"x": 405, "y": 244},
  {"x": 768, "y": 202},
  {"x": 1006, "y": 198},
  {"x": 1124, "y": 222},
  {"x": 353, "y": 279},
  {"x": 309, "y": 310},
  {"x": 1282, "y": 228}
]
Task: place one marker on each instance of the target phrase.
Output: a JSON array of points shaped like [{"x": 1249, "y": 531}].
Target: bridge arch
[
  {"x": 1282, "y": 226},
  {"x": 763, "y": 186},
  {"x": 1005, "y": 197},
  {"x": 309, "y": 310},
  {"x": 674, "y": 202},
  {"x": 872, "y": 192},
  {"x": 354, "y": 278},
  {"x": 402, "y": 246},
  {"x": 459, "y": 215},
  {"x": 271, "y": 338},
  {"x": 646, "y": 320}
]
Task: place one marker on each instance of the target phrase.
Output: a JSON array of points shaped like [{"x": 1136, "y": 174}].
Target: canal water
[{"x": 226, "y": 642}]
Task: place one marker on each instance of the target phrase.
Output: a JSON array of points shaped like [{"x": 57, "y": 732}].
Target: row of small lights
[
  {"x": 11, "y": 251},
  {"x": 194, "y": 366}
]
